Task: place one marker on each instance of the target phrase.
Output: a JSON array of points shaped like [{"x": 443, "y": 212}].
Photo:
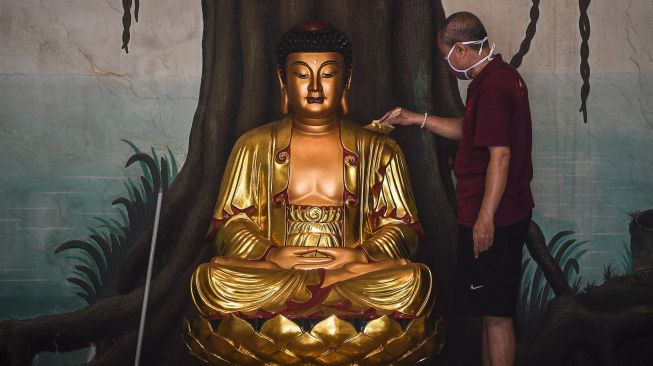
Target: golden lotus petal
[
  {"x": 415, "y": 333},
  {"x": 234, "y": 329},
  {"x": 399, "y": 345},
  {"x": 332, "y": 342},
  {"x": 429, "y": 344},
  {"x": 440, "y": 332},
  {"x": 245, "y": 358},
  {"x": 203, "y": 329},
  {"x": 377, "y": 358},
  {"x": 306, "y": 347},
  {"x": 333, "y": 331},
  {"x": 358, "y": 346},
  {"x": 260, "y": 345},
  {"x": 411, "y": 358},
  {"x": 220, "y": 346},
  {"x": 382, "y": 329},
  {"x": 285, "y": 358},
  {"x": 332, "y": 358},
  {"x": 420, "y": 353},
  {"x": 213, "y": 359},
  {"x": 281, "y": 330},
  {"x": 195, "y": 348},
  {"x": 417, "y": 328}
]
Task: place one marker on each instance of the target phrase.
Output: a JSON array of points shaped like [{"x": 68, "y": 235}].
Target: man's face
[
  {"x": 461, "y": 57},
  {"x": 315, "y": 82}
]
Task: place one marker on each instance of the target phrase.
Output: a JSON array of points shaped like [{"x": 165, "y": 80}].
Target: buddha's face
[{"x": 315, "y": 83}]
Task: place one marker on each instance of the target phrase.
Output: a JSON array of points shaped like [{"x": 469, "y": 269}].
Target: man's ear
[
  {"x": 459, "y": 48},
  {"x": 344, "y": 102},
  {"x": 283, "y": 93}
]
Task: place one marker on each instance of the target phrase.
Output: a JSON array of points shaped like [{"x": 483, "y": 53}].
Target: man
[{"x": 493, "y": 170}]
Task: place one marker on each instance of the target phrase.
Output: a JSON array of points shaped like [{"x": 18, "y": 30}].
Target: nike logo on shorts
[{"x": 472, "y": 287}]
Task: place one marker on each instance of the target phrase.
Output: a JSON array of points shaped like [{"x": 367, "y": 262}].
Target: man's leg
[
  {"x": 500, "y": 335},
  {"x": 485, "y": 354},
  {"x": 504, "y": 257}
]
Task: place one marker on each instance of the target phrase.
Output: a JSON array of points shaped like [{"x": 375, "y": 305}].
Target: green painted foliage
[
  {"x": 626, "y": 259},
  {"x": 535, "y": 290},
  {"x": 101, "y": 254}
]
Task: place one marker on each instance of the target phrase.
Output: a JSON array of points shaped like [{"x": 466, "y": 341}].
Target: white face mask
[{"x": 463, "y": 74}]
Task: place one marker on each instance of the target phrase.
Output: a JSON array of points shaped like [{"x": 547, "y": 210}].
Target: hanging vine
[
  {"x": 127, "y": 21},
  {"x": 516, "y": 60},
  {"x": 584, "y": 25}
]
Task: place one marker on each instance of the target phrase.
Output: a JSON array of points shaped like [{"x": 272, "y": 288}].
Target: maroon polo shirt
[{"x": 497, "y": 113}]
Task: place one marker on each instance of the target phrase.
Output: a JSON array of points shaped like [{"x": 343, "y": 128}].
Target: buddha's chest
[{"x": 316, "y": 171}]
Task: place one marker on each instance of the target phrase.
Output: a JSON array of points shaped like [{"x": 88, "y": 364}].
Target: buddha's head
[{"x": 314, "y": 70}]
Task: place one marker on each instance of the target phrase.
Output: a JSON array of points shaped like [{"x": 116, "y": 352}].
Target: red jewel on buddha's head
[{"x": 314, "y": 26}]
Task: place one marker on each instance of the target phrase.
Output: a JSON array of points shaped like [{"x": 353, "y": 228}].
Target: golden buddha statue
[{"x": 315, "y": 219}]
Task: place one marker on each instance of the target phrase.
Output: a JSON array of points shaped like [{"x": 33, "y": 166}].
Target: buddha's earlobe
[
  {"x": 344, "y": 101},
  {"x": 283, "y": 108},
  {"x": 283, "y": 94}
]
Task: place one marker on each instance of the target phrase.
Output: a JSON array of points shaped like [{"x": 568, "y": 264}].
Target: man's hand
[
  {"x": 483, "y": 234},
  {"x": 404, "y": 118},
  {"x": 447, "y": 127}
]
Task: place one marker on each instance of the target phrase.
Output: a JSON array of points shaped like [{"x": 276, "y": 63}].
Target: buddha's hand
[
  {"x": 338, "y": 258},
  {"x": 242, "y": 262},
  {"x": 401, "y": 116},
  {"x": 293, "y": 256}
]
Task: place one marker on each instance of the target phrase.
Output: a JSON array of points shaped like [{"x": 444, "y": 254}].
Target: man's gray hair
[{"x": 461, "y": 27}]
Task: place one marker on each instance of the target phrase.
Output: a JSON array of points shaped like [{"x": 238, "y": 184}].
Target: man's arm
[
  {"x": 495, "y": 185},
  {"x": 447, "y": 127}
]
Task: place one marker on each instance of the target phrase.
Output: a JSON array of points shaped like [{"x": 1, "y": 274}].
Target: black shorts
[{"x": 489, "y": 285}]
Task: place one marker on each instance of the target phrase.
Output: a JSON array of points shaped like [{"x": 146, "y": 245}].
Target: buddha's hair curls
[{"x": 315, "y": 36}]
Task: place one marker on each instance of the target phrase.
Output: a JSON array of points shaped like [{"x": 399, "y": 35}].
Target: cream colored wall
[{"x": 67, "y": 37}]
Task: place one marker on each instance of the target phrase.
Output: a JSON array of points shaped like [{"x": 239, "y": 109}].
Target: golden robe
[{"x": 253, "y": 213}]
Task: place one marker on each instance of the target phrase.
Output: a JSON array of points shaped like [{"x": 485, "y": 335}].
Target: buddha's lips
[{"x": 319, "y": 100}]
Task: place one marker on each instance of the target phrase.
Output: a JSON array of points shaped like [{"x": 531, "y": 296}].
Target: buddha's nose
[{"x": 315, "y": 86}]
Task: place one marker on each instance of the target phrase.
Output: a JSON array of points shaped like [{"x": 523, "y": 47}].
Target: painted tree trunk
[{"x": 641, "y": 241}]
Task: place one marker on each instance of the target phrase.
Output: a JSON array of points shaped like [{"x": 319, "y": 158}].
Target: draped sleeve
[
  {"x": 236, "y": 227},
  {"x": 393, "y": 222}
]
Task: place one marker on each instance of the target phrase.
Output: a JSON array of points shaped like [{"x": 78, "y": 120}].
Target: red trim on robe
[{"x": 216, "y": 223}]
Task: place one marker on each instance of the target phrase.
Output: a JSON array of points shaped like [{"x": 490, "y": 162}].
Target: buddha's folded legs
[
  {"x": 246, "y": 287},
  {"x": 249, "y": 288},
  {"x": 403, "y": 288}
]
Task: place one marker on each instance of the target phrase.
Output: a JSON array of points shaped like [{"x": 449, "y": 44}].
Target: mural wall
[{"x": 69, "y": 97}]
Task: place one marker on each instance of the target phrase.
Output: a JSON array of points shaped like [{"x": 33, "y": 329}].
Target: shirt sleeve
[{"x": 493, "y": 117}]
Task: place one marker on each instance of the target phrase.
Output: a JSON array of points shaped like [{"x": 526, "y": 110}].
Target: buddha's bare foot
[{"x": 355, "y": 269}]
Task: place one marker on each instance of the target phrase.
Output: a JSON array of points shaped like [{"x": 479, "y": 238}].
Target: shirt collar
[{"x": 496, "y": 61}]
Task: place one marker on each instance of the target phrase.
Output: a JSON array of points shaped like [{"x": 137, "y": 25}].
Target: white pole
[{"x": 146, "y": 296}]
